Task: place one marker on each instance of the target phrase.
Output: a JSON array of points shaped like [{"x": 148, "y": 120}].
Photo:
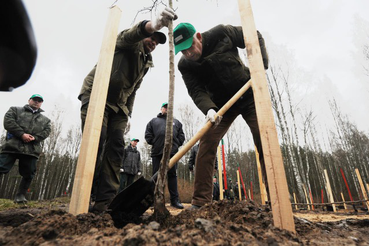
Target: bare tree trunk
[{"x": 160, "y": 211}]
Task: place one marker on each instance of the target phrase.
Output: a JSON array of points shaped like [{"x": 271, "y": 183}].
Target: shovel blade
[{"x": 132, "y": 202}]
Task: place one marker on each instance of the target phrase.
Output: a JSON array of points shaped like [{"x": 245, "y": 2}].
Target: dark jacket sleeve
[
  {"x": 181, "y": 136},
  {"x": 236, "y": 35},
  {"x": 42, "y": 135},
  {"x": 149, "y": 133},
  {"x": 195, "y": 87},
  {"x": 139, "y": 164},
  {"x": 124, "y": 157},
  {"x": 191, "y": 161},
  {"x": 130, "y": 37},
  {"x": 10, "y": 123}
]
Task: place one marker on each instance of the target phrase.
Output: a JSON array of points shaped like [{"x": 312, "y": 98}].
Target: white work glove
[
  {"x": 211, "y": 117},
  {"x": 121, "y": 170},
  {"x": 139, "y": 173},
  {"x": 163, "y": 19}
]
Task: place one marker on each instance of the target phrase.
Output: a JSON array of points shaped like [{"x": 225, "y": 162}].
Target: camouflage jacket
[
  {"x": 130, "y": 64},
  {"x": 20, "y": 120}
]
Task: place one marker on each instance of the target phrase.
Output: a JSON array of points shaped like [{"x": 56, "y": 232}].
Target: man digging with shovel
[{"x": 213, "y": 72}]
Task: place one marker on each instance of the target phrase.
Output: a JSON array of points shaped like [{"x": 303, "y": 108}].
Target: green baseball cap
[
  {"x": 183, "y": 36},
  {"x": 38, "y": 96},
  {"x": 135, "y": 139},
  {"x": 164, "y": 104}
]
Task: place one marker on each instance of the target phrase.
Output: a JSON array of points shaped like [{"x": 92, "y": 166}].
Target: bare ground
[{"x": 220, "y": 223}]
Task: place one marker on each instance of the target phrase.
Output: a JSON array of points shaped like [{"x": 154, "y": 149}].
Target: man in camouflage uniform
[
  {"x": 132, "y": 59},
  {"x": 26, "y": 129}
]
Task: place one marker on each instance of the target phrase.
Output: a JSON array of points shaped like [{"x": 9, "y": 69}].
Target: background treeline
[{"x": 304, "y": 157}]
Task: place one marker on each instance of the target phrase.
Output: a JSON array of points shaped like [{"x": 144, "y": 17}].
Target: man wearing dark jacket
[
  {"x": 132, "y": 59},
  {"x": 213, "y": 72},
  {"x": 192, "y": 159},
  {"x": 155, "y": 136},
  {"x": 26, "y": 129},
  {"x": 131, "y": 165}
]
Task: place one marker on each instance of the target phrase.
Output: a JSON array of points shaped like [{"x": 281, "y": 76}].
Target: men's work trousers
[
  {"x": 125, "y": 180},
  {"x": 110, "y": 154},
  {"x": 203, "y": 187},
  {"x": 172, "y": 178},
  {"x": 27, "y": 168}
]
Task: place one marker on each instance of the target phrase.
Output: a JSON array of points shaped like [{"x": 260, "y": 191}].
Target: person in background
[
  {"x": 155, "y": 136},
  {"x": 192, "y": 159},
  {"x": 131, "y": 165},
  {"x": 213, "y": 73},
  {"x": 26, "y": 129},
  {"x": 216, "y": 192},
  {"x": 132, "y": 59}
]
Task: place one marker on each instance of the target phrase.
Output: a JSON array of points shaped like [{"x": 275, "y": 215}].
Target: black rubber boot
[{"x": 20, "y": 197}]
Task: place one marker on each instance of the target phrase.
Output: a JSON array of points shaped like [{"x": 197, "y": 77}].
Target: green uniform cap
[
  {"x": 37, "y": 95},
  {"x": 183, "y": 36}
]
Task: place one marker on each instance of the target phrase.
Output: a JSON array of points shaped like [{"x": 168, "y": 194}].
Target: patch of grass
[{"x": 6, "y": 204}]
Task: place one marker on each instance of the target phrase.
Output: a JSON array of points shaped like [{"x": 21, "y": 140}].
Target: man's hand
[
  {"x": 139, "y": 173},
  {"x": 163, "y": 18},
  {"x": 27, "y": 138},
  {"x": 211, "y": 116}
]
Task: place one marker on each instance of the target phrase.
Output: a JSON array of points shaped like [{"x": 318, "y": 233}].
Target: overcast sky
[{"x": 319, "y": 35}]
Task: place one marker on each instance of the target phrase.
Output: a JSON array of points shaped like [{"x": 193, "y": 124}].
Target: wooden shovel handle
[{"x": 207, "y": 126}]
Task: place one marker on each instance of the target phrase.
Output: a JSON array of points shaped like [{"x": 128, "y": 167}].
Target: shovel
[{"x": 134, "y": 200}]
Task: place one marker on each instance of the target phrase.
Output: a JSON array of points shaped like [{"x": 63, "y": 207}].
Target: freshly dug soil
[{"x": 220, "y": 223}]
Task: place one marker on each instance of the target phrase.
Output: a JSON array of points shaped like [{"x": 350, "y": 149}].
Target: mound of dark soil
[{"x": 220, "y": 223}]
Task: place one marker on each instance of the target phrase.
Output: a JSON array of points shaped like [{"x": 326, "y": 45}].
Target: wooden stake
[
  {"x": 344, "y": 202},
  {"x": 329, "y": 191},
  {"x": 365, "y": 196},
  {"x": 294, "y": 198},
  {"x": 263, "y": 193},
  {"x": 276, "y": 176},
  {"x": 221, "y": 197},
  {"x": 311, "y": 200},
  {"x": 91, "y": 135},
  {"x": 306, "y": 197},
  {"x": 239, "y": 186}
]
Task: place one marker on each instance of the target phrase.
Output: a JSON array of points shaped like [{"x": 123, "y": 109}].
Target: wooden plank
[
  {"x": 306, "y": 197},
  {"x": 365, "y": 196},
  {"x": 221, "y": 197},
  {"x": 294, "y": 198},
  {"x": 263, "y": 193},
  {"x": 276, "y": 177},
  {"x": 239, "y": 186},
  {"x": 344, "y": 202},
  {"x": 90, "y": 139},
  {"x": 311, "y": 200},
  {"x": 329, "y": 191}
]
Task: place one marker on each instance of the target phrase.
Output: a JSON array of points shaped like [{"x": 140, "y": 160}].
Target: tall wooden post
[
  {"x": 344, "y": 202},
  {"x": 221, "y": 197},
  {"x": 362, "y": 187},
  {"x": 91, "y": 134},
  {"x": 294, "y": 198},
  {"x": 329, "y": 191},
  {"x": 306, "y": 197},
  {"x": 277, "y": 182},
  {"x": 239, "y": 186},
  {"x": 263, "y": 193}
]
